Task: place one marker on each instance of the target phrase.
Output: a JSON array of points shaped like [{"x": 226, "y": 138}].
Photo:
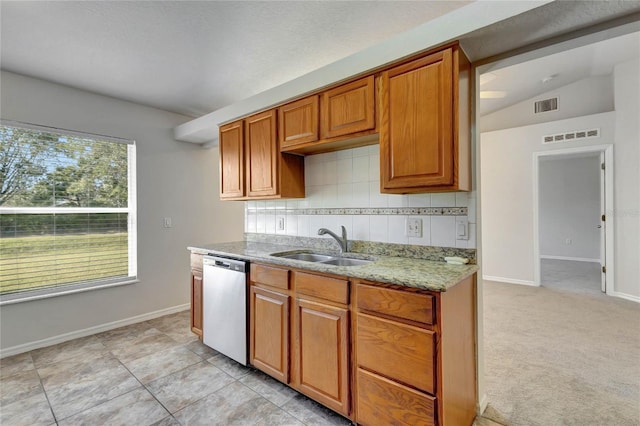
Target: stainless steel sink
[
  {"x": 307, "y": 257},
  {"x": 345, "y": 261},
  {"x": 322, "y": 258}
]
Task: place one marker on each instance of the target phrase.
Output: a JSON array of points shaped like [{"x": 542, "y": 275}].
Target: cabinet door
[
  {"x": 261, "y": 160},
  {"x": 196, "y": 303},
  {"x": 298, "y": 122},
  {"x": 322, "y": 354},
  {"x": 349, "y": 108},
  {"x": 232, "y": 160},
  {"x": 269, "y": 332},
  {"x": 416, "y": 129}
]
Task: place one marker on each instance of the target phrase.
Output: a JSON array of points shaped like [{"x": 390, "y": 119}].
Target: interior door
[{"x": 603, "y": 227}]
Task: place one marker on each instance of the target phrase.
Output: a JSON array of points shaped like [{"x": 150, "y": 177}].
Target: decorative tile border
[
  {"x": 367, "y": 247},
  {"x": 407, "y": 211}
]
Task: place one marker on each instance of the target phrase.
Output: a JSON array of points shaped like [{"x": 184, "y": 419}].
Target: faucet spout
[{"x": 341, "y": 240}]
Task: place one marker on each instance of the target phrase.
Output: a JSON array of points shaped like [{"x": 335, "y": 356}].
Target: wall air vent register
[
  {"x": 545, "y": 105},
  {"x": 571, "y": 136}
]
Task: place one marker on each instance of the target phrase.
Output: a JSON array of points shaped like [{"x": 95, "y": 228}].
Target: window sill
[{"x": 10, "y": 299}]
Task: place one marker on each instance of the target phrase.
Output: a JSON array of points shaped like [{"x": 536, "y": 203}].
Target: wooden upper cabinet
[
  {"x": 299, "y": 122},
  {"x": 261, "y": 156},
  {"x": 424, "y": 125},
  {"x": 349, "y": 108},
  {"x": 231, "y": 146}
]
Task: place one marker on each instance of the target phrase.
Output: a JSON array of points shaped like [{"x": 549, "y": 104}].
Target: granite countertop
[{"x": 410, "y": 272}]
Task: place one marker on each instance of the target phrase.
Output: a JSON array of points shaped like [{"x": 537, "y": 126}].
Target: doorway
[{"x": 573, "y": 242}]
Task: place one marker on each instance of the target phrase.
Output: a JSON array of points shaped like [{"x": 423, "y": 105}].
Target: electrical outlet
[
  {"x": 280, "y": 223},
  {"x": 568, "y": 241},
  {"x": 413, "y": 227},
  {"x": 167, "y": 222}
]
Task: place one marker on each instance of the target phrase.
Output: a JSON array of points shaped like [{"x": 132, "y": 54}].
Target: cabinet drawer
[
  {"x": 399, "y": 351},
  {"x": 332, "y": 289},
  {"x": 196, "y": 261},
  {"x": 384, "y": 402},
  {"x": 268, "y": 275},
  {"x": 396, "y": 303}
]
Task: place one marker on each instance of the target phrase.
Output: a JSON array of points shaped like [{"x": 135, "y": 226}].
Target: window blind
[{"x": 67, "y": 211}]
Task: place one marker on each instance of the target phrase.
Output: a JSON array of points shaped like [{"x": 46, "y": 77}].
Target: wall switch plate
[
  {"x": 413, "y": 227},
  {"x": 462, "y": 229},
  {"x": 280, "y": 223},
  {"x": 167, "y": 222}
]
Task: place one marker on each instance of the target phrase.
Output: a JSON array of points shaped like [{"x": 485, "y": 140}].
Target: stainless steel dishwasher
[{"x": 224, "y": 306}]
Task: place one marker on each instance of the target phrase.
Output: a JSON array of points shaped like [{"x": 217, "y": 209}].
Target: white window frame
[{"x": 132, "y": 225}]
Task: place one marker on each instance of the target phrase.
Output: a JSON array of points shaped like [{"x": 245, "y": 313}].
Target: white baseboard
[
  {"x": 54, "y": 340},
  {"x": 575, "y": 259},
  {"x": 508, "y": 280},
  {"x": 625, "y": 296}
]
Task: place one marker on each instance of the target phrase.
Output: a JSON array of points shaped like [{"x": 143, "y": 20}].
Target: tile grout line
[{"x": 44, "y": 391}]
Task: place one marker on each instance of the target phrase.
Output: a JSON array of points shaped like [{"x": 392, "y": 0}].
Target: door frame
[{"x": 609, "y": 225}]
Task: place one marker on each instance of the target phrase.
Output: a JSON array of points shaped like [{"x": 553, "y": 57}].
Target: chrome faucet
[{"x": 342, "y": 241}]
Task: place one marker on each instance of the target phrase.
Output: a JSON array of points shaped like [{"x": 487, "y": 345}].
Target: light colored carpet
[{"x": 561, "y": 356}]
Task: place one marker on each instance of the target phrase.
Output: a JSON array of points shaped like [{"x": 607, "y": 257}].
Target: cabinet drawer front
[
  {"x": 401, "y": 352},
  {"x": 268, "y": 275},
  {"x": 327, "y": 288},
  {"x": 397, "y": 303},
  {"x": 384, "y": 402},
  {"x": 348, "y": 108}
]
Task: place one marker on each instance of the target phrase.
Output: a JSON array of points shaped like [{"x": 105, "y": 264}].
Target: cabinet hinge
[
  {"x": 602, "y": 166},
  {"x": 604, "y": 269},
  {"x": 604, "y": 218}
]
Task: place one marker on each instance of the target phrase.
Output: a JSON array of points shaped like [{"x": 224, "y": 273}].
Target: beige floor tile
[
  {"x": 162, "y": 363},
  {"x": 234, "y": 404},
  {"x": 187, "y": 386},
  {"x": 70, "y": 393},
  {"x": 137, "y": 407},
  {"x": 19, "y": 386},
  {"x": 268, "y": 387},
  {"x": 229, "y": 366},
  {"x": 16, "y": 364},
  {"x": 33, "y": 411},
  {"x": 149, "y": 343},
  {"x": 77, "y": 348},
  {"x": 199, "y": 348},
  {"x": 123, "y": 335},
  {"x": 311, "y": 413}
]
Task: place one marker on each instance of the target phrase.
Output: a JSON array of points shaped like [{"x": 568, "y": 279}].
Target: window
[{"x": 67, "y": 211}]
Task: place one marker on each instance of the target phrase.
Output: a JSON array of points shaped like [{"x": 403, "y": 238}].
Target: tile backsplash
[{"x": 343, "y": 188}]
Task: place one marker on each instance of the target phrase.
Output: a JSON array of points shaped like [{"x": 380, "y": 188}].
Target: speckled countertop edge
[{"x": 416, "y": 273}]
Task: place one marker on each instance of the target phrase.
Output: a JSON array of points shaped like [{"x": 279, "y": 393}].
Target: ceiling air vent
[
  {"x": 571, "y": 136},
  {"x": 545, "y": 105}
]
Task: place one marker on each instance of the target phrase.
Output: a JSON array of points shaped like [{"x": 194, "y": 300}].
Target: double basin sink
[{"x": 325, "y": 259}]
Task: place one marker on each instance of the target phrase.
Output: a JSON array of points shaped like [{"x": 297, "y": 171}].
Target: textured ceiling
[{"x": 194, "y": 57}]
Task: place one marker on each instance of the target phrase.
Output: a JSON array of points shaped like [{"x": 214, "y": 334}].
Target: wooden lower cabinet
[
  {"x": 196, "y": 295},
  {"x": 269, "y": 332},
  {"x": 322, "y": 353},
  {"x": 379, "y": 354}
]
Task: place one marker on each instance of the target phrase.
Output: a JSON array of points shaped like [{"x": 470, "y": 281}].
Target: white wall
[
  {"x": 507, "y": 187},
  {"x": 627, "y": 177},
  {"x": 351, "y": 179},
  {"x": 584, "y": 97},
  {"x": 175, "y": 179},
  {"x": 569, "y": 211}
]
